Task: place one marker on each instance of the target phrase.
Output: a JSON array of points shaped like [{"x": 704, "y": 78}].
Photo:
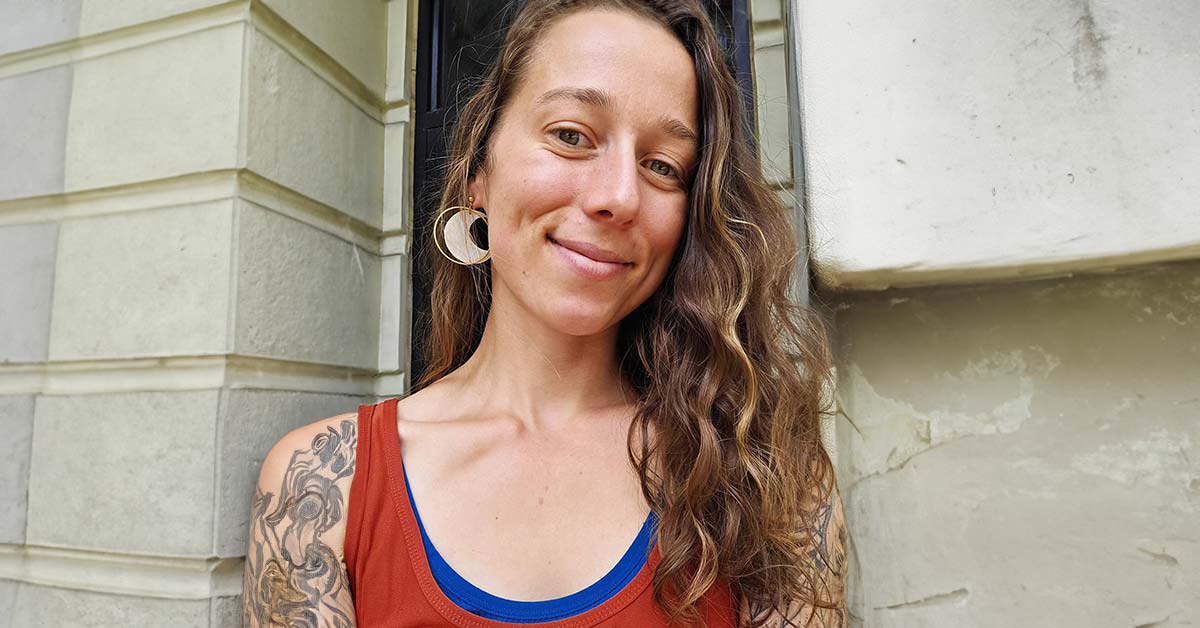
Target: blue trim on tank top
[{"x": 480, "y": 602}]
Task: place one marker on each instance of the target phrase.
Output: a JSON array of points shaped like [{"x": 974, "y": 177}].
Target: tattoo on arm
[
  {"x": 292, "y": 576},
  {"x": 827, "y": 562}
]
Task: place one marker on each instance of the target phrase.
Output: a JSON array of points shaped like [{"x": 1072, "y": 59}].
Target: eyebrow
[{"x": 601, "y": 99}]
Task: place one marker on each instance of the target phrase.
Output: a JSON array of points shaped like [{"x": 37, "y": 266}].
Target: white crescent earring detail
[{"x": 454, "y": 239}]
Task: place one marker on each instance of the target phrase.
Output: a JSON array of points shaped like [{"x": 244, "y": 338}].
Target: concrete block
[
  {"x": 130, "y": 472},
  {"x": 38, "y": 606},
  {"x": 395, "y": 314},
  {"x": 396, "y": 172},
  {"x": 33, "y": 123},
  {"x": 155, "y": 111},
  {"x": 104, "y": 15},
  {"x": 303, "y": 294},
  {"x": 353, "y": 32},
  {"x": 305, "y": 135},
  {"x": 949, "y": 140},
  {"x": 16, "y": 422},
  {"x": 400, "y": 35},
  {"x": 226, "y": 612},
  {"x": 771, "y": 84},
  {"x": 26, "y": 287},
  {"x": 28, "y": 24},
  {"x": 253, "y": 421},
  {"x": 151, "y": 282},
  {"x": 8, "y": 602},
  {"x": 766, "y": 10}
]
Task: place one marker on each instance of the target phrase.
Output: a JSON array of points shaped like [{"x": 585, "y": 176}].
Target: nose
[{"x": 613, "y": 187}]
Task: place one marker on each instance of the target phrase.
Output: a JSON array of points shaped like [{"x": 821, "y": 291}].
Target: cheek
[
  {"x": 539, "y": 180},
  {"x": 668, "y": 230}
]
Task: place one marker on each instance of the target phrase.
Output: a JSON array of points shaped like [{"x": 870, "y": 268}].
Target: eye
[
  {"x": 667, "y": 170},
  {"x": 568, "y": 136}
]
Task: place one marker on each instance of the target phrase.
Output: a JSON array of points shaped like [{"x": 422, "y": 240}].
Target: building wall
[
  {"x": 1006, "y": 234},
  {"x": 203, "y": 245}
]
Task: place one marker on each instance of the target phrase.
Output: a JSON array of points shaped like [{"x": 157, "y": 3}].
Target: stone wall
[{"x": 203, "y": 245}]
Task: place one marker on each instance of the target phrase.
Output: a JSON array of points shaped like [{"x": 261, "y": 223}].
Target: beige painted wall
[
  {"x": 1006, "y": 234},
  {"x": 975, "y": 140}
]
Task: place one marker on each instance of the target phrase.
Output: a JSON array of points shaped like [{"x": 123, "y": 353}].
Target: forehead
[{"x": 637, "y": 61}]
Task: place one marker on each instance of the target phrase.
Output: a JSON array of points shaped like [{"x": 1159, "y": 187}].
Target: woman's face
[{"x": 594, "y": 149}]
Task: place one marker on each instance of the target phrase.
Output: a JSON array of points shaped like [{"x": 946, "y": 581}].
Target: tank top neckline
[
  {"x": 419, "y": 560},
  {"x": 466, "y": 595}
]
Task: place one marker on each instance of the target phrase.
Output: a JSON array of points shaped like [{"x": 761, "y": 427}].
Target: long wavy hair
[{"x": 732, "y": 374}]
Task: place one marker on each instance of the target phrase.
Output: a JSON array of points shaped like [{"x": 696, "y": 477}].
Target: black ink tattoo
[
  {"x": 292, "y": 576},
  {"x": 827, "y": 562}
]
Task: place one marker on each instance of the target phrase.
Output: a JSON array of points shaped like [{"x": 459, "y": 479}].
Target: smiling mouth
[
  {"x": 584, "y": 266},
  {"x": 584, "y": 255}
]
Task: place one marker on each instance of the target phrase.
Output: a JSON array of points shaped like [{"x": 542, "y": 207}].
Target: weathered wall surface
[
  {"x": 981, "y": 140},
  {"x": 1024, "y": 454},
  {"x": 1005, "y": 222},
  {"x": 203, "y": 244}
]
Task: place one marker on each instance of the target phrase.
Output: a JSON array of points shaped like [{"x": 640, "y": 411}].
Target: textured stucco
[
  {"x": 8, "y": 601},
  {"x": 1025, "y": 453},
  {"x": 104, "y": 15},
  {"x": 305, "y": 135},
  {"x": 33, "y": 131},
  {"x": 124, "y": 472},
  {"x": 153, "y": 282},
  {"x": 16, "y": 423},
  {"x": 26, "y": 287},
  {"x": 353, "y": 32},
  {"x": 954, "y": 142},
  {"x": 154, "y": 111},
  {"x": 303, "y": 294},
  {"x": 191, "y": 199},
  {"x": 28, "y": 24},
  {"x": 38, "y": 606}
]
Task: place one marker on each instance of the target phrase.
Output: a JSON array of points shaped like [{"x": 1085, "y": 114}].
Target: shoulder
[
  {"x": 330, "y": 441},
  {"x": 308, "y": 472},
  {"x": 294, "y": 560}
]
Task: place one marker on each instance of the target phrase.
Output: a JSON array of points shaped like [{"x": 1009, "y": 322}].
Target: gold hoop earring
[{"x": 456, "y": 235}]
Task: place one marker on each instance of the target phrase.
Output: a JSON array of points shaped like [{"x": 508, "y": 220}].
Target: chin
[{"x": 580, "y": 317}]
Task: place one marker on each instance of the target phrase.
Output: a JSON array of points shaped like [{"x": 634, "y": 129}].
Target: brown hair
[{"x": 732, "y": 374}]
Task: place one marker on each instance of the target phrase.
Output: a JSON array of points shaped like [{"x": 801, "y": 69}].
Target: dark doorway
[{"x": 456, "y": 42}]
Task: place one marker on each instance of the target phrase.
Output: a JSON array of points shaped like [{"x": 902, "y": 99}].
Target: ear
[{"x": 477, "y": 187}]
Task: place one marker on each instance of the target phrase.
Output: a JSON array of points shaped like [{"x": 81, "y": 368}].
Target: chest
[{"x": 522, "y": 519}]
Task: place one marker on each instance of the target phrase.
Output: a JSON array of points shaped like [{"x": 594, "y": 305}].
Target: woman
[{"x": 620, "y": 362}]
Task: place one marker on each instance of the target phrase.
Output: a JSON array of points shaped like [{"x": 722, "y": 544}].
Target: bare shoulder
[
  {"x": 295, "y": 571},
  {"x": 826, "y": 564}
]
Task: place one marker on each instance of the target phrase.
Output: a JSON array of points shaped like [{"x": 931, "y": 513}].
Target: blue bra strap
[{"x": 480, "y": 602}]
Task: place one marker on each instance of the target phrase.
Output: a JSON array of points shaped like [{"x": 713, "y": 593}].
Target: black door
[{"x": 456, "y": 41}]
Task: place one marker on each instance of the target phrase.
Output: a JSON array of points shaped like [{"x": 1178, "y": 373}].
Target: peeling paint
[
  {"x": 1153, "y": 461},
  {"x": 894, "y": 431}
]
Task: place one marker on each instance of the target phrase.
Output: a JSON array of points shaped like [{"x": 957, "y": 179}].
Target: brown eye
[
  {"x": 569, "y": 136},
  {"x": 667, "y": 171}
]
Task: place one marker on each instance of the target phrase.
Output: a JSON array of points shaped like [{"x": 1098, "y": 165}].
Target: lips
[
  {"x": 590, "y": 251},
  {"x": 587, "y": 267}
]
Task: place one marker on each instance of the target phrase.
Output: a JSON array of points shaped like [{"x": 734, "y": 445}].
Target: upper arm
[
  {"x": 295, "y": 574},
  {"x": 826, "y": 562}
]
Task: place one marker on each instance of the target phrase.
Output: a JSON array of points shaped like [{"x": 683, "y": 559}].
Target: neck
[{"x": 543, "y": 377}]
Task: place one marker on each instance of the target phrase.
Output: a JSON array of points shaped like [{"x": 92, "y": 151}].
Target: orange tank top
[{"x": 389, "y": 573}]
